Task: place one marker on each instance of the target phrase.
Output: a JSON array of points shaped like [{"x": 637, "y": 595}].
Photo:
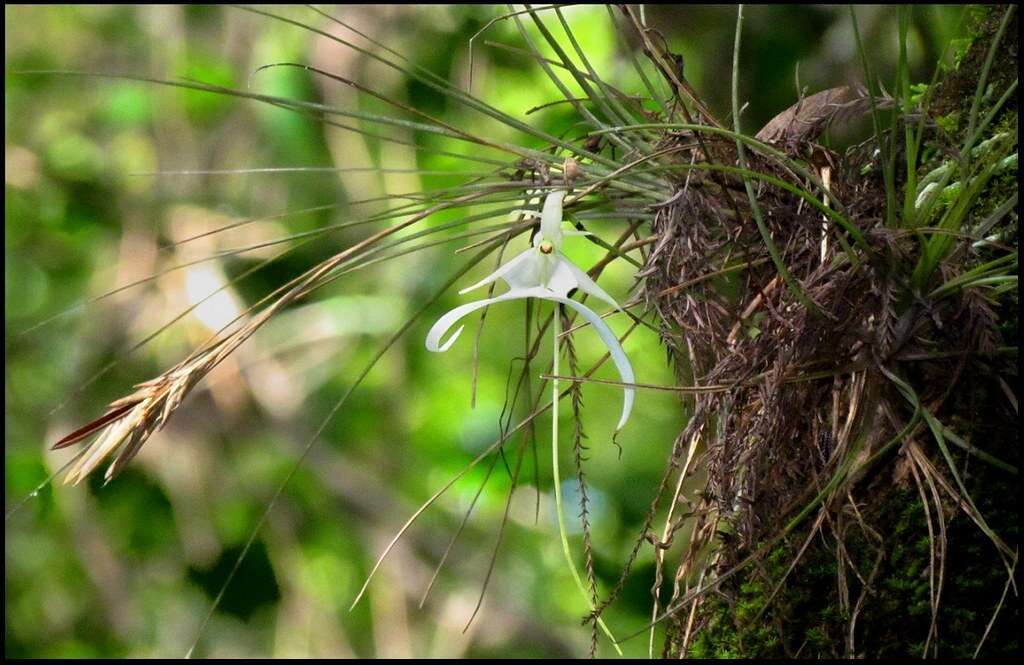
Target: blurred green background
[{"x": 131, "y": 569}]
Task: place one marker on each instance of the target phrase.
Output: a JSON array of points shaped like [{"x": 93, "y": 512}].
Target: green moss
[
  {"x": 807, "y": 619},
  {"x": 1003, "y": 182}
]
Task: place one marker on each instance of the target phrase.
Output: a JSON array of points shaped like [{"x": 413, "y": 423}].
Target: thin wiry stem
[
  {"x": 439, "y": 84},
  {"x": 487, "y": 25},
  {"x": 610, "y": 103},
  {"x": 316, "y": 437},
  {"x": 780, "y": 265},
  {"x": 579, "y": 450},
  {"x": 557, "y": 482},
  {"x": 514, "y": 483},
  {"x": 580, "y": 108}
]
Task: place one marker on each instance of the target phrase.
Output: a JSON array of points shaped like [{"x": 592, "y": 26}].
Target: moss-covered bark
[{"x": 868, "y": 589}]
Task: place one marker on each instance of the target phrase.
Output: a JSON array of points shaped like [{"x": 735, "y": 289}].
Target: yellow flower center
[{"x": 546, "y": 247}]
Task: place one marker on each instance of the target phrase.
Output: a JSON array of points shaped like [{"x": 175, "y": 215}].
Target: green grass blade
[{"x": 780, "y": 265}]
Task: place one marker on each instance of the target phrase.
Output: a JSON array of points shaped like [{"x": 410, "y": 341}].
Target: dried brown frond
[
  {"x": 811, "y": 116},
  {"x": 133, "y": 419}
]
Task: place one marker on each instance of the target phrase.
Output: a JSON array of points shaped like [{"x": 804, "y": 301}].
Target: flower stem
[{"x": 557, "y": 327}]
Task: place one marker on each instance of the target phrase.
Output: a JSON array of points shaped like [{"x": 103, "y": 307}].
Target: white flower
[{"x": 542, "y": 271}]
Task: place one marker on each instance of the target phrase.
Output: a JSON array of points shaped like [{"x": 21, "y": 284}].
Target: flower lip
[{"x": 611, "y": 342}]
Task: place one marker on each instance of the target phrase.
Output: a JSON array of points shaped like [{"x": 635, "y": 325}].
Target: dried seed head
[{"x": 131, "y": 420}]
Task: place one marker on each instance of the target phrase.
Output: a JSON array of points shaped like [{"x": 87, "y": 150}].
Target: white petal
[
  {"x": 438, "y": 330},
  {"x": 551, "y": 218},
  {"x": 615, "y": 349},
  {"x": 561, "y": 279},
  {"x": 520, "y": 270},
  {"x": 588, "y": 285},
  {"x": 530, "y": 272},
  {"x": 450, "y": 318}
]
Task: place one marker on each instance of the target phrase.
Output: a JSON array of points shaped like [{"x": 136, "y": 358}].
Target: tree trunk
[{"x": 887, "y": 561}]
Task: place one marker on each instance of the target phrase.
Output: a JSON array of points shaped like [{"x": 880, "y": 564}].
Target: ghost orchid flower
[{"x": 542, "y": 271}]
